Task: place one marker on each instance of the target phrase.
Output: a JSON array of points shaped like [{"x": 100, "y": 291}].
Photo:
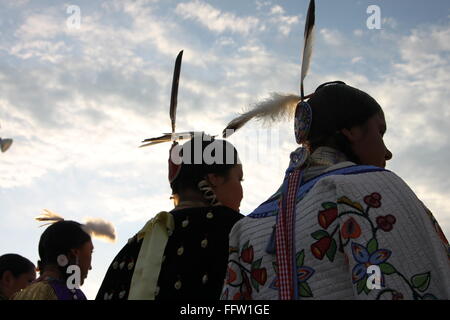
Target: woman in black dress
[{"x": 182, "y": 254}]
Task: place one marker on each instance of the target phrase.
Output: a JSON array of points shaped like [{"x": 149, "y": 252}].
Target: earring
[{"x": 208, "y": 192}]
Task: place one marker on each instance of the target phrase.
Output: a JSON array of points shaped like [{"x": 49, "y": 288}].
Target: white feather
[
  {"x": 307, "y": 53},
  {"x": 49, "y": 216},
  {"x": 5, "y": 144},
  {"x": 100, "y": 228},
  {"x": 278, "y": 107}
]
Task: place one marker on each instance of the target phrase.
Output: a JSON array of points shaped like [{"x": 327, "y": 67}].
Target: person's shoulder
[
  {"x": 357, "y": 174},
  {"x": 40, "y": 290},
  {"x": 227, "y": 212}
]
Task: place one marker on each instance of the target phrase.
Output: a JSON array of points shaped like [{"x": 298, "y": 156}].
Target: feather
[
  {"x": 276, "y": 107},
  {"x": 151, "y": 144},
  {"x": 5, "y": 144},
  {"x": 48, "y": 216},
  {"x": 308, "y": 45},
  {"x": 164, "y": 138},
  {"x": 100, "y": 229},
  {"x": 174, "y": 94},
  {"x": 169, "y": 137}
]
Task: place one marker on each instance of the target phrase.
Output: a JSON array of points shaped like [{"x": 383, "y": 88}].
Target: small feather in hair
[
  {"x": 49, "y": 216},
  {"x": 99, "y": 228}
]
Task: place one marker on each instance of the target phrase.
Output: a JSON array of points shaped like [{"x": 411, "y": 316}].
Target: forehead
[
  {"x": 88, "y": 246},
  {"x": 379, "y": 119}
]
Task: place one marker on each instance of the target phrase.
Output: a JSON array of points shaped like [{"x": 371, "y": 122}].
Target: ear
[
  {"x": 7, "y": 278},
  {"x": 214, "y": 180},
  {"x": 74, "y": 252},
  {"x": 353, "y": 134}
]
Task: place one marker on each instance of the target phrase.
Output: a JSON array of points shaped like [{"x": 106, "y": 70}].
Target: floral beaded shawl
[{"x": 357, "y": 236}]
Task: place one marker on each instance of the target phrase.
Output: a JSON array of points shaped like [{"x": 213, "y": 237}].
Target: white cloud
[
  {"x": 53, "y": 52},
  {"x": 262, "y": 4},
  {"x": 358, "y": 32},
  {"x": 45, "y": 26},
  {"x": 277, "y": 10},
  {"x": 331, "y": 37},
  {"x": 225, "y": 41},
  {"x": 390, "y": 22},
  {"x": 214, "y": 19},
  {"x": 284, "y": 23}
]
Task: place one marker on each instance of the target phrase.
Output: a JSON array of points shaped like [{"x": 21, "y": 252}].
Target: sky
[{"x": 83, "y": 82}]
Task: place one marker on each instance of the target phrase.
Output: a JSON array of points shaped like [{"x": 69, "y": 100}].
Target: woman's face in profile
[
  {"x": 84, "y": 254},
  {"x": 23, "y": 281},
  {"x": 228, "y": 190},
  {"x": 367, "y": 141}
]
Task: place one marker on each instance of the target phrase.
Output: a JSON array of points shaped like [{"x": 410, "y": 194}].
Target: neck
[
  {"x": 190, "y": 199},
  {"x": 52, "y": 272}
]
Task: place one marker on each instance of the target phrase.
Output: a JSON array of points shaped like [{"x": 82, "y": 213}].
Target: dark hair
[
  {"x": 336, "y": 106},
  {"x": 16, "y": 264},
  {"x": 60, "y": 238},
  {"x": 196, "y": 168}
]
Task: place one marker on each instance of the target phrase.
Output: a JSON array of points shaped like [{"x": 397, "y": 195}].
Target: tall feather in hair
[
  {"x": 174, "y": 93},
  {"x": 279, "y": 105},
  {"x": 172, "y": 110},
  {"x": 308, "y": 45}
]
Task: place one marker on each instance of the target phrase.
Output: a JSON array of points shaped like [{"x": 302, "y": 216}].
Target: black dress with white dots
[{"x": 194, "y": 262}]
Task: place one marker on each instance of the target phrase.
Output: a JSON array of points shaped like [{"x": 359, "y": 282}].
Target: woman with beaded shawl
[
  {"x": 182, "y": 253},
  {"x": 340, "y": 226}
]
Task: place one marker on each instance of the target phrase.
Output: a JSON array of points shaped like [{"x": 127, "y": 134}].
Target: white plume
[
  {"x": 100, "y": 229},
  {"x": 278, "y": 107}
]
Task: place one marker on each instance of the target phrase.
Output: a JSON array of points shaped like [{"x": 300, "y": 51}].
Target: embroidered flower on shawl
[
  {"x": 386, "y": 223},
  {"x": 351, "y": 229},
  {"x": 260, "y": 275},
  {"x": 365, "y": 259},
  {"x": 327, "y": 216},
  {"x": 320, "y": 248},
  {"x": 304, "y": 273},
  {"x": 397, "y": 296},
  {"x": 231, "y": 276},
  {"x": 373, "y": 200},
  {"x": 247, "y": 254}
]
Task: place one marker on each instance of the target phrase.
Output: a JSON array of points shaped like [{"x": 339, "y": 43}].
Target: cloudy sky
[{"x": 79, "y": 93}]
